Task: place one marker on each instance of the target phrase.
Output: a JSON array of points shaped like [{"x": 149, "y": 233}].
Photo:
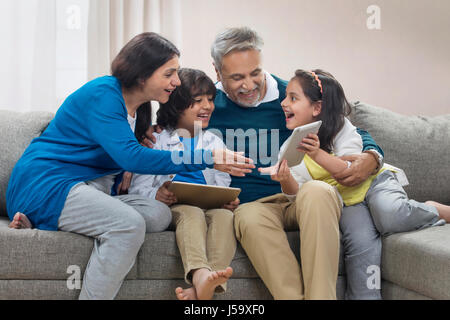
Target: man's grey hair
[{"x": 234, "y": 39}]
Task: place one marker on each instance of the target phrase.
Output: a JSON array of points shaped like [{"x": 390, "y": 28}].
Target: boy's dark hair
[
  {"x": 193, "y": 83},
  {"x": 335, "y": 106},
  {"x": 140, "y": 57}
]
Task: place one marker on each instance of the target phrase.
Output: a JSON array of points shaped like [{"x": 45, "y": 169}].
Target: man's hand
[
  {"x": 363, "y": 165},
  {"x": 164, "y": 195},
  {"x": 124, "y": 185},
  {"x": 232, "y": 205}
]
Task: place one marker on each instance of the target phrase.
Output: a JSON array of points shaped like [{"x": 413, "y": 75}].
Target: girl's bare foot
[
  {"x": 186, "y": 294},
  {"x": 20, "y": 221},
  {"x": 444, "y": 211},
  {"x": 205, "y": 281}
]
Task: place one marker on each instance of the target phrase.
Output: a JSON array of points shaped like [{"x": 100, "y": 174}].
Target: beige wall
[{"x": 403, "y": 66}]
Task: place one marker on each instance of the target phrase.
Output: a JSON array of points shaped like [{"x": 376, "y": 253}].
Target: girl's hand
[
  {"x": 231, "y": 162},
  {"x": 164, "y": 195},
  {"x": 279, "y": 172},
  {"x": 310, "y": 145},
  {"x": 232, "y": 205}
]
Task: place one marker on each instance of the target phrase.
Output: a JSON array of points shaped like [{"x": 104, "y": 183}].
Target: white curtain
[
  {"x": 112, "y": 23},
  {"x": 52, "y": 47},
  {"x": 27, "y": 32}
]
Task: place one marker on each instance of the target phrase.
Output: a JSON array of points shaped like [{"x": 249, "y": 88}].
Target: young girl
[
  {"x": 206, "y": 239},
  {"x": 316, "y": 95}
]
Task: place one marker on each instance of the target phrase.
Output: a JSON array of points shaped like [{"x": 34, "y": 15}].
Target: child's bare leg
[
  {"x": 205, "y": 281},
  {"x": 20, "y": 221},
  {"x": 186, "y": 294},
  {"x": 444, "y": 211}
]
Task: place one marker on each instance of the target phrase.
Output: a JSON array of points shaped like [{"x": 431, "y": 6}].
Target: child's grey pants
[
  {"x": 118, "y": 225},
  {"x": 390, "y": 212}
]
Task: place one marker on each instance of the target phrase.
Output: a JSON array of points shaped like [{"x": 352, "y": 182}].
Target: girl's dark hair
[
  {"x": 335, "y": 106},
  {"x": 140, "y": 57},
  {"x": 193, "y": 83}
]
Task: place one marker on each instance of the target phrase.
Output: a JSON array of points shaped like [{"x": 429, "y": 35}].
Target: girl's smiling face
[
  {"x": 199, "y": 111},
  {"x": 297, "y": 107}
]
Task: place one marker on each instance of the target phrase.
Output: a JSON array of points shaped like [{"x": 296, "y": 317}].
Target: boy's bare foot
[
  {"x": 186, "y": 294},
  {"x": 444, "y": 211},
  {"x": 205, "y": 281},
  {"x": 20, "y": 221}
]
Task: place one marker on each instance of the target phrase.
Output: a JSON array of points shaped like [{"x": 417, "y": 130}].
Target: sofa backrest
[
  {"x": 16, "y": 132},
  {"x": 418, "y": 145}
]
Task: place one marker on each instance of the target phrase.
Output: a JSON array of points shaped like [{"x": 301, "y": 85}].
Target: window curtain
[
  {"x": 28, "y": 55},
  {"x": 112, "y": 23},
  {"x": 52, "y": 47}
]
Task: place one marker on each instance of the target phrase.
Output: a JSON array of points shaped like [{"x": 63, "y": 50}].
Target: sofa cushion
[
  {"x": 16, "y": 132},
  {"x": 419, "y": 261},
  {"x": 418, "y": 145},
  {"x": 159, "y": 258},
  {"x": 37, "y": 254}
]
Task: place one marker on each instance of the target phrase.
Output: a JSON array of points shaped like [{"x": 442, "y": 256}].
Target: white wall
[{"x": 403, "y": 66}]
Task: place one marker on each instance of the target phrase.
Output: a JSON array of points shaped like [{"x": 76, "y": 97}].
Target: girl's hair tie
[{"x": 318, "y": 81}]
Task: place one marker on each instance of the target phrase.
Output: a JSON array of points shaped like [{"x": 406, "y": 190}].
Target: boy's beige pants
[
  {"x": 260, "y": 227},
  {"x": 205, "y": 239}
]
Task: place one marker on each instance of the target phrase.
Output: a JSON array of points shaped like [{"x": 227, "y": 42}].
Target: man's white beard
[{"x": 249, "y": 105}]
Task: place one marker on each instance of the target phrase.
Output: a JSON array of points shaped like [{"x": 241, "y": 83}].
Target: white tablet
[
  {"x": 203, "y": 196},
  {"x": 290, "y": 152}
]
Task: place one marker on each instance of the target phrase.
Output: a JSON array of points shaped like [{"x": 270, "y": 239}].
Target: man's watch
[{"x": 378, "y": 157}]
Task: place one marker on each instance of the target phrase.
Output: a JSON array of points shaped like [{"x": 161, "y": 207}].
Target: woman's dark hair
[
  {"x": 140, "y": 57},
  {"x": 194, "y": 83},
  {"x": 143, "y": 121},
  {"x": 335, "y": 106}
]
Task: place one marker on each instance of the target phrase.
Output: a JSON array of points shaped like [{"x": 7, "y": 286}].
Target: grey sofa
[{"x": 37, "y": 264}]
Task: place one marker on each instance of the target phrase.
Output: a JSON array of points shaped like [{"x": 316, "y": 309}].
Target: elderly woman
[{"x": 64, "y": 178}]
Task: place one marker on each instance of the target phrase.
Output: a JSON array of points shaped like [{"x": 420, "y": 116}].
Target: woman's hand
[
  {"x": 148, "y": 139},
  {"x": 279, "y": 172},
  {"x": 232, "y": 205},
  {"x": 310, "y": 145},
  {"x": 231, "y": 162},
  {"x": 124, "y": 185},
  {"x": 164, "y": 195}
]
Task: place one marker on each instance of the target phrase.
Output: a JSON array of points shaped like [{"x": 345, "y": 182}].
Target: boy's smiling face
[{"x": 199, "y": 111}]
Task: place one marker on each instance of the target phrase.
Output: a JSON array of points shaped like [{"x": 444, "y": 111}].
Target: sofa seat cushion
[
  {"x": 36, "y": 254},
  {"x": 419, "y": 261},
  {"x": 160, "y": 258}
]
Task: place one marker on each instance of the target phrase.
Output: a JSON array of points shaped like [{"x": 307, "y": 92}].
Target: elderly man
[{"x": 249, "y": 116}]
